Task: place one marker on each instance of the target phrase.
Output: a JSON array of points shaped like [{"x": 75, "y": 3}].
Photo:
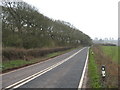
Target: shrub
[{"x": 17, "y": 53}]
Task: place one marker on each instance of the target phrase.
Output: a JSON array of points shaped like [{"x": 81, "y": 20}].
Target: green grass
[
  {"x": 111, "y": 51},
  {"x": 119, "y": 55},
  {"x": 54, "y": 54},
  {"x": 93, "y": 72},
  {"x": 15, "y": 63},
  {"x": 18, "y": 63}
]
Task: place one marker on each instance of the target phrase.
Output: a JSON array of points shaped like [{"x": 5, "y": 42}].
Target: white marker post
[{"x": 103, "y": 72}]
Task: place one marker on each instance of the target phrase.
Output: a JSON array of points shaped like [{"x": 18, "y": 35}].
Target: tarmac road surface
[{"x": 63, "y": 71}]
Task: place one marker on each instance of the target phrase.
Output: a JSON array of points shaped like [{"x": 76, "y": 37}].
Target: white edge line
[
  {"x": 41, "y": 72},
  {"x": 81, "y": 80}
]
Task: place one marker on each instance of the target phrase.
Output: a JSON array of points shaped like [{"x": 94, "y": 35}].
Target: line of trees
[{"x": 24, "y": 27}]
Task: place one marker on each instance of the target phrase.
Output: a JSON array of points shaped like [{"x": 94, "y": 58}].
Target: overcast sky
[{"x": 96, "y": 18}]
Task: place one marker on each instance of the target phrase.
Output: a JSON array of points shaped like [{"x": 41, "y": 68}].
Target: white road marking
[
  {"x": 83, "y": 74},
  {"x": 23, "y": 81}
]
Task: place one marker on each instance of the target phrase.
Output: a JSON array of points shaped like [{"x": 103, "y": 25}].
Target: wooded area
[{"x": 24, "y": 27}]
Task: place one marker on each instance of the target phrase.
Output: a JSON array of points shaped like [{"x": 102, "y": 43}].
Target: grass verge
[
  {"x": 94, "y": 79},
  {"x": 111, "y": 79}
]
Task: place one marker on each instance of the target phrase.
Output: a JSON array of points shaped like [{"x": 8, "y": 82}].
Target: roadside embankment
[{"x": 101, "y": 57}]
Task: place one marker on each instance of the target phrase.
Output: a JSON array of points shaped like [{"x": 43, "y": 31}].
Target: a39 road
[{"x": 63, "y": 71}]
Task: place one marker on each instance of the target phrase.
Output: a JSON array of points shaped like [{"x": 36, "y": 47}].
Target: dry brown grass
[
  {"x": 111, "y": 67},
  {"x": 27, "y": 54}
]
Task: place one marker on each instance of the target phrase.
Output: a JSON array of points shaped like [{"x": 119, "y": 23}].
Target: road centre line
[{"x": 23, "y": 81}]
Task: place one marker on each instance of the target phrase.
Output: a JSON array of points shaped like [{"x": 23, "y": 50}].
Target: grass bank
[
  {"x": 18, "y": 63},
  {"x": 94, "y": 67},
  {"x": 111, "y": 51},
  {"x": 94, "y": 78}
]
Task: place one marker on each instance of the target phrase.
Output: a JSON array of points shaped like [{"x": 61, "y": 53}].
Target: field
[
  {"x": 108, "y": 56},
  {"x": 111, "y": 51}
]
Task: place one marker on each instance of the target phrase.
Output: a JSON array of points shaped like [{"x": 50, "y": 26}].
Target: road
[{"x": 63, "y": 71}]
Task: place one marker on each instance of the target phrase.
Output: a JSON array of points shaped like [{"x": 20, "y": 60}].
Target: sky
[{"x": 96, "y": 18}]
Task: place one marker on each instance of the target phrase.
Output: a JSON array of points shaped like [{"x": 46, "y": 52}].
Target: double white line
[{"x": 23, "y": 81}]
